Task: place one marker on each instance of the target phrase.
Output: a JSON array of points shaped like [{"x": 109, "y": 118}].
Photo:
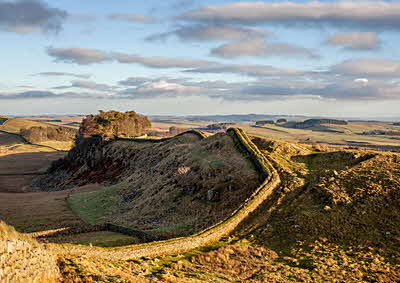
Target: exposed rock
[{"x": 212, "y": 195}]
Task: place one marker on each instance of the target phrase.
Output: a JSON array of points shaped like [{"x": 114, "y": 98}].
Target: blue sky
[{"x": 332, "y": 58}]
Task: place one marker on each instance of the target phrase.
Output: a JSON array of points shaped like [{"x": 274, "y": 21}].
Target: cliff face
[{"x": 169, "y": 188}]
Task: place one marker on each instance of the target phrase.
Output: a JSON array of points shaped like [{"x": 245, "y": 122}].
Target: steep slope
[{"x": 168, "y": 188}]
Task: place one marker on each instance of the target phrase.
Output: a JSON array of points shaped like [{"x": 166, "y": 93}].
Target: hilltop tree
[{"x": 115, "y": 124}]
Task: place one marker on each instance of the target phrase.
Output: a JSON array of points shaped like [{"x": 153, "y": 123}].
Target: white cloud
[
  {"x": 368, "y": 66},
  {"x": 137, "y": 18},
  {"x": 81, "y": 56},
  {"x": 211, "y": 31},
  {"x": 377, "y": 14},
  {"x": 247, "y": 70},
  {"x": 356, "y": 40},
  {"x": 86, "y": 56},
  {"x": 361, "y": 80},
  {"x": 255, "y": 46}
]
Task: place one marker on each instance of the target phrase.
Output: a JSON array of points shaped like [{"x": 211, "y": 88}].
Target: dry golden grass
[
  {"x": 15, "y": 125},
  {"x": 22, "y": 259},
  {"x": 345, "y": 135}
]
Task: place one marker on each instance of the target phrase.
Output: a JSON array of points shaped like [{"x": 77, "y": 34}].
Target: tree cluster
[
  {"x": 115, "y": 124},
  {"x": 42, "y": 134}
]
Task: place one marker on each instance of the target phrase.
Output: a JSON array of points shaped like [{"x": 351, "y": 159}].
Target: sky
[{"x": 186, "y": 57}]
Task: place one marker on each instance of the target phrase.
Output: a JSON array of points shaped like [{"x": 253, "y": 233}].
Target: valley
[{"x": 197, "y": 207}]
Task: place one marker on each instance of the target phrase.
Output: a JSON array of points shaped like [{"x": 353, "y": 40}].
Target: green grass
[
  {"x": 94, "y": 205},
  {"x": 172, "y": 228},
  {"x": 109, "y": 240},
  {"x": 216, "y": 163}
]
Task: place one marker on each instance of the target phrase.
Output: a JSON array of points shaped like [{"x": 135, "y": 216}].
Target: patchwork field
[
  {"x": 350, "y": 135},
  {"x": 344, "y": 135}
]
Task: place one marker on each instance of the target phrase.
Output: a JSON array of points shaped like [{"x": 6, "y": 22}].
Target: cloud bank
[
  {"x": 375, "y": 14},
  {"x": 86, "y": 56},
  {"x": 356, "y": 40},
  {"x": 260, "y": 47},
  {"x": 30, "y": 16}
]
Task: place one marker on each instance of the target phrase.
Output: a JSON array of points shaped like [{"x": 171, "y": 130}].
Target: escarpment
[{"x": 170, "y": 187}]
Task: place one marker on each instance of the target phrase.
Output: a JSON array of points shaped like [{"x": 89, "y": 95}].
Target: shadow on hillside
[
  {"x": 18, "y": 169},
  {"x": 332, "y": 160}
]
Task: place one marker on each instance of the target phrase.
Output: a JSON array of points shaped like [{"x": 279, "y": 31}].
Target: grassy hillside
[
  {"x": 10, "y": 139},
  {"x": 10, "y": 129},
  {"x": 15, "y": 125},
  {"x": 168, "y": 189},
  {"x": 334, "y": 218}
]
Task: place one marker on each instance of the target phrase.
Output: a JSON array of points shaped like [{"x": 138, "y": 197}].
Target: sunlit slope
[
  {"x": 351, "y": 134},
  {"x": 22, "y": 259},
  {"x": 14, "y": 125}
]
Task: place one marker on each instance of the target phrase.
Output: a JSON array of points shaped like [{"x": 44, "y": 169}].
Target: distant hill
[
  {"x": 232, "y": 118},
  {"x": 15, "y": 125},
  {"x": 316, "y": 122},
  {"x": 20, "y": 131}
]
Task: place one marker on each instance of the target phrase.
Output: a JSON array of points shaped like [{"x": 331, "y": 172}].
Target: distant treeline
[
  {"x": 315, "y": 122},
  {"x": 42, "y": 134},
  {"x": 219, "y": 126},
  {"x": 49, "y": 121},
  {"x": 382, "y": 132}
]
